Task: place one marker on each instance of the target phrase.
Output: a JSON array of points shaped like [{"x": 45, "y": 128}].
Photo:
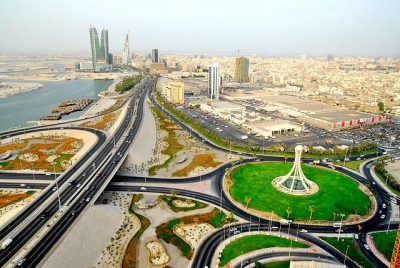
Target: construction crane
[{"x": 395, "y": 261}]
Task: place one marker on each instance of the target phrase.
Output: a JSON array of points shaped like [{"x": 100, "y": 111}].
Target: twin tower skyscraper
[{"x": 101, "y": 58}]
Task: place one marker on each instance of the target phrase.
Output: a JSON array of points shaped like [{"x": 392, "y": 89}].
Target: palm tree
[
  {"x": 335, "y": 214},
  {"x": 188, "y": 201},
  {"x": 312, "y": 210},
  {"x": 286, "y": 157},
  {"x": 247, "y": 199},
  {"x": 241, "y": 159},
  {"x": 288, "y": 211},
  {"x": 174, "y": 193}
]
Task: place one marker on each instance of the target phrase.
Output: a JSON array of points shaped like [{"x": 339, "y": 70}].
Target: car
[
  {"x": 245, "y": 262},
  {"x": 83, "y": 200},
  {"x": 237, "y": 232},
  {"x": 356, "y": 236},
  {"x": 92, "y": 188},
  {"x": 102, "y": 175},
  {"x": 383, "y": 205},
  {"x": 383, "y": 217},
  {"x": 233, "y": 229},
  {"x": 74, "y": 212},
  {"x": 143, "y": 188},
  {"x": 366, "y": 247},
  {"x": 358, "y": 158},
  {"x": 21, "y": 262},
  {"x": 54, "y": 189},
  {"x": 86, "y": 188},
  {"x": 303, "y": 231},
  {"x": 78, "y": 185},
  {"x": 44, "y": 214},
  {"x": 380, "y": 211},
  {"x": 220, "y": 130},
  {"x": 88, "y": 199},
  {"x": 381, "y": 225},
  {"x": 22, "y": 185},
  {"x": 339, "y": 167},
  {"x": 84, "y": 174}
]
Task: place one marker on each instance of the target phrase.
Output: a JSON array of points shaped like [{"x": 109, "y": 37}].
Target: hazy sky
[{"x": 270, "y": 28}]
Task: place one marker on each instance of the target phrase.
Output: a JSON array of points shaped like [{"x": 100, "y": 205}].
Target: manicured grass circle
[{"x": 337, "y": 192}]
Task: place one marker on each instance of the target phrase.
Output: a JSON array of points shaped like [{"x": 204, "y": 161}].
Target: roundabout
[{"x": 252, "y": 185}]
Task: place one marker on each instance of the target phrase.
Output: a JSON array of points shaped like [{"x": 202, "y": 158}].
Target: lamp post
[
  {"x": 387, "y": 231},
  {"x": 220, "y": 201},
  {"x": 288, "y": 230},
  {"x": 20, "y": 163},
  {"x": 280, "y": 226},
  {"x": 270, "y": 222},
  {"x": 297, "y": 235},
  {"x": 33, "y": 172},
  {"x": 340, "y": 228},
  {"x": 345, "y": 256},
  {"x": 58, "y": 191},
  {"x": 241, "y": 260}
]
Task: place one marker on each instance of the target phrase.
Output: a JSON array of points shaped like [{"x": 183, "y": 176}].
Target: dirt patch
[{"x": 12, "y": 198}]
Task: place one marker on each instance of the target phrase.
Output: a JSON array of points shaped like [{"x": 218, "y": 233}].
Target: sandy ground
[{"x": 394, "y": 169}]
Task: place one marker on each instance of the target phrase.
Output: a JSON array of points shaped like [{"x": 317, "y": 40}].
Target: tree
[
  {"x": 312, "y": 210},
  {"x": 288, "y": 211},
  {"x": 381, "y": 106},
  {"x": 174, "y": 193},
  {"x": 247, "y": 200},
  {"x": 335, "y": 214},
  {"x": 286, "y": 157},
  {"x": 241, "y": 159}
]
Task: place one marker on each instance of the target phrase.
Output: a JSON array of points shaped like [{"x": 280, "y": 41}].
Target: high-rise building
[
  {"x": 100, "y": 55},
  {"x": 154, "y": 55},
  {"x": 242, "y": 70},
  {"x": 125, "y": 53},
  {"x": 213, "y": 81}
]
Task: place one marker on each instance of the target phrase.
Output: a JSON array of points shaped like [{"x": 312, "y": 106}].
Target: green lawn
[
  {"x": 337, "y": 192},
  {"x": 277, "y": 264},
  {"x": 254, "y": 242},
  {"x": 353, "y": 165},
  {"x": 385, "y": 242},
  {"x": 352, "y": 253}
]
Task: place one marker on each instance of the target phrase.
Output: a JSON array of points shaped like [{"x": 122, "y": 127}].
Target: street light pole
[
  {"x": 33, "y": 172},
  {"x": 241, "y": 261},
  {"x": 297, "y": 235},
  {"x": 387, "y": 231},
  {"x": 58, "y": 191},
  {"x": 340, "y": 228},
  {"x": 345, "y": 256},
  {"x": 288, "y": 230},
  {"x": 220, "y": 202}
]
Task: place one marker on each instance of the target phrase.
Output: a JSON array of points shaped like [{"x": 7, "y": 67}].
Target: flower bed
[{"x": 157, "y": 253}]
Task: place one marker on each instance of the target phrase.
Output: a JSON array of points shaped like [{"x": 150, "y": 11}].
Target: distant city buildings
[
  {"x": 125, "y": 53},
  {"x": 242, "y": 70},
  {"x": 154, "y": 55},
  {"x": 100, "y": 56},
  {"x": 213, "y": 81}
]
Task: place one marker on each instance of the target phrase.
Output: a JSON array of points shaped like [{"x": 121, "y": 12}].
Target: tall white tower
[
  {"x": 213, "y": 81},
  {"x": 125, "y": 53},
  {"x": 295, "y": 182}
]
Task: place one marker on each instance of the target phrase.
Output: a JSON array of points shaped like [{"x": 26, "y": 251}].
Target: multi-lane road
[{"x": 105, "y": 158}]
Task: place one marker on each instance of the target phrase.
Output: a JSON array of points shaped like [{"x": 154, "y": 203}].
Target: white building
[
  {"x": 125, "y": 60},
  {"x": 213, "y": 81}
]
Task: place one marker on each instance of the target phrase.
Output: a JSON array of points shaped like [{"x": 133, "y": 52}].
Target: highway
[
  {"x": 71, "y": 196},
  {"x": 105, "y": 163}
]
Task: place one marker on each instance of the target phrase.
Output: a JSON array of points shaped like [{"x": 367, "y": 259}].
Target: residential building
[
  {"x": 125, "y": 53},
  {"x": 174, "y": 92},
  {"x": 242, "y": 70},
  {"x": 213, "y": 81},
  {"x": 100, "y": 55}
]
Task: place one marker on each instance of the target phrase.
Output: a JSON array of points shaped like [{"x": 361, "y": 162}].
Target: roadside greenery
[
  {"x": 166, "y": 233},
  {"x": 337, "y": 193},
  {"x": 352, "y": 253},
  {"x": 169, "y": 199},
  {"x": 385, "y": 242},
  {"x": 131, "y": 252},
  {"x": 127, "y": 83},
  {"x": 254, "y": 242},
  {"x": 381, "y": 170},
  {"x": 251, "y": 147}
]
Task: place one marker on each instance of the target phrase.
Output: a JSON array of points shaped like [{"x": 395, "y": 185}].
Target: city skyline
[{"x": 268, "y": 28}]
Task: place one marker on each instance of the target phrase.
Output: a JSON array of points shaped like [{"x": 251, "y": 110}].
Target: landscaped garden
[
  {"x": 385, "y": 242},
  {"x": 254, "y": 242},
  {"x": 166, "y": 232},
  {"x": 337, "y": 193},
  {"x": 352, "y": 253}
]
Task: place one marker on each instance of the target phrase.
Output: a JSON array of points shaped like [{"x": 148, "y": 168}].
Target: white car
[
  {"x": 303, "y": 231},
  {"x": 143, "y": 188},
  {"x": 356, "y": 236},
  {"x": 366, "y": 247},
  {"x": 54, "y": 189}
]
